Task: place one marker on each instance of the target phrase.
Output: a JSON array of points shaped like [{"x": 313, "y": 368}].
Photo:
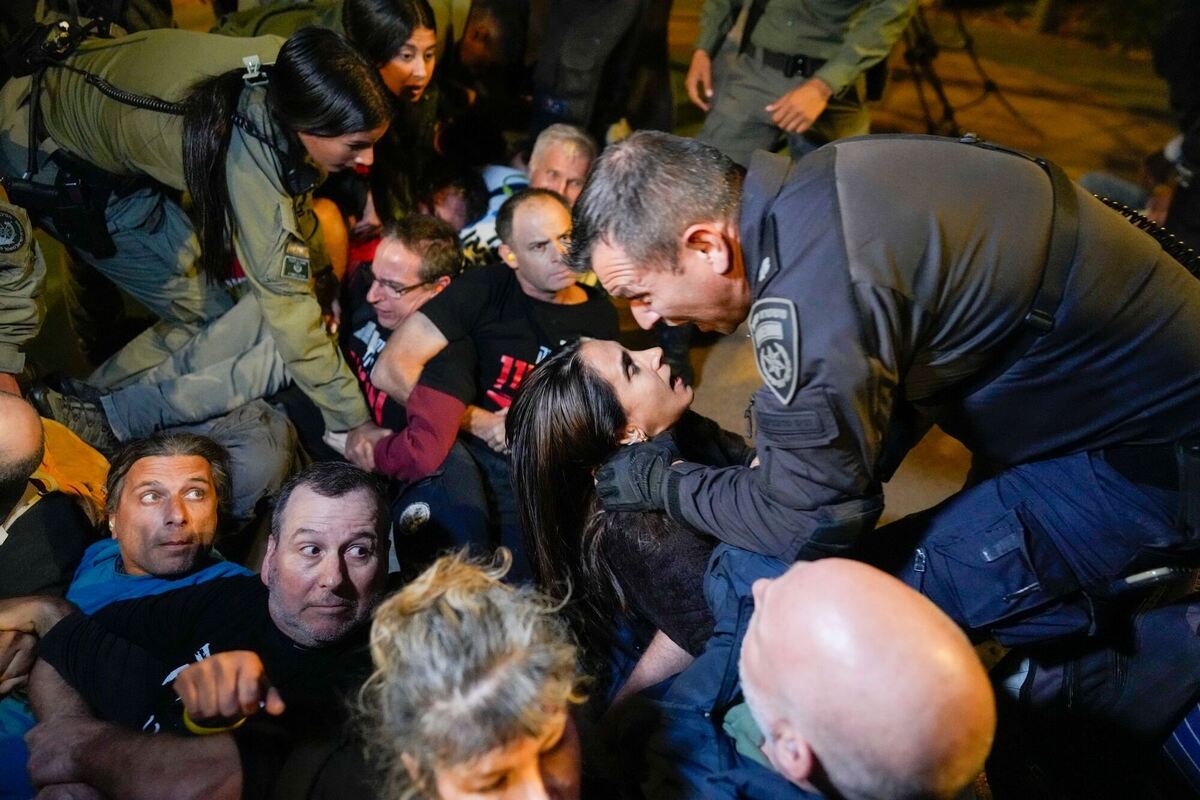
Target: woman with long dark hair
[
  {"x": 572, "y": 413},
  {"x": 246, "y": 127}
]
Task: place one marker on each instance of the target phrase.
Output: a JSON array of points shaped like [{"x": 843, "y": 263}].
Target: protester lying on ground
[
  {"x": 280, "y": 650},
  {"x": 166, "y": 499}
]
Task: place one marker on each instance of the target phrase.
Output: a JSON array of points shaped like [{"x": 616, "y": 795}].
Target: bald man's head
[
  {"x": 864, "y": 687},
  {"x": 21, "y": 444}
]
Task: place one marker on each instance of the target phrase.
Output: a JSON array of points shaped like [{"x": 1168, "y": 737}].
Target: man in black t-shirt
[
  {"x": 514, "y": 313},
  {"x": 209, "y": 658}
]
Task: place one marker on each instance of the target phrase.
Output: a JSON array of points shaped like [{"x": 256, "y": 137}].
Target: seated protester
[
  {"x": 560, "y": 160},
  {"x": 851, "y": 686},
  {"x": 473, "y": 689},
  {"x": 43, "y": 531},
  {"x": 415, "y": 260},
  {"x": 166, "y": 498},
  {"x": 561, "y": 157},
  {"x": 568, "y": 418},
  {"x": 515, "y": 314},
  {"x": 290, "y": 643}
]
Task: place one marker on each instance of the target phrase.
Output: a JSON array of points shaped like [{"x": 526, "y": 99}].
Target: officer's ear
[
  {"x": 707, "y": 245},
  {"x": 441, "y": 283}
]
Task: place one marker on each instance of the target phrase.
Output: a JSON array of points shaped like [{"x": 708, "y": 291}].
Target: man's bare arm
[
  {"x": 408, "y": 350},
  {"x": 68, "y": 746},
  {"x": 662, "y": 659}
]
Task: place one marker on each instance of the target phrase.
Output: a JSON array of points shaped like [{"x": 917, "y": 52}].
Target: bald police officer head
[
  {"x": 862, "y": 687},
  {"x": 658, "y": 223}
]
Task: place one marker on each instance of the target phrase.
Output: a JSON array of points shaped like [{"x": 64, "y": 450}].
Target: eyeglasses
[{"x": 393, "y": 288}]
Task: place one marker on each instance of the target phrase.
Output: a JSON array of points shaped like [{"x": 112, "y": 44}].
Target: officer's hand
[
  {"x": 8, "y": 383},
  {"x": 360, "y": 444},
  {"x": 227, "y": 686},
  {"x": 635, "y": 479},
  {"x": 699, "y": 79},
  {"x": 797, "y": 110}
]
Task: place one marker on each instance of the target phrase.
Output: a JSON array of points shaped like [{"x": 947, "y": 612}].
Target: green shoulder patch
[{"x": 297, "y": 265}]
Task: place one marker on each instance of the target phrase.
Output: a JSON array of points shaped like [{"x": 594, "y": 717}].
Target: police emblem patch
[
  {"x": 775, "y": 330},
  {"x": 296, "y": 263},
  {"x": 12, "y": 233}
]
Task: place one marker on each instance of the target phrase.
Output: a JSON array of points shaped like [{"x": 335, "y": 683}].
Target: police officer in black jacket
[{"x": 891, "y": 283}]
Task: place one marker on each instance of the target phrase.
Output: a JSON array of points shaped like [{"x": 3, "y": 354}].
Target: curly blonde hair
[{"x": 463, "y": 664}]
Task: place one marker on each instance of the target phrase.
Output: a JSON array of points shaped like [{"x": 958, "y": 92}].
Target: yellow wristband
[{"x": 202, "y": 730}]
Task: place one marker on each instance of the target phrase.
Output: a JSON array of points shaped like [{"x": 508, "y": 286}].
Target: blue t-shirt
[{"x": 99, "y": 581}]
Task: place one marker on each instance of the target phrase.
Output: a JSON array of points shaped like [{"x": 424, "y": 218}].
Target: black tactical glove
[{"x": 635, "y": 479}]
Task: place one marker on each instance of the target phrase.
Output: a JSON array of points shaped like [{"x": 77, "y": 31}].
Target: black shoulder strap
[
  {"x": 752, "y": 17},
  {"x": 1039, "y": 321}
]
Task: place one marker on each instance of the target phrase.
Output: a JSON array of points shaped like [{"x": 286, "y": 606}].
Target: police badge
[{"x": 775, "y": 330}]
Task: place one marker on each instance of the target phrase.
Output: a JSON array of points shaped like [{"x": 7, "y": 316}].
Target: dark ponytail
[
  {"x": 207, "y": 126},
  {"x": 319, "y": 85}
]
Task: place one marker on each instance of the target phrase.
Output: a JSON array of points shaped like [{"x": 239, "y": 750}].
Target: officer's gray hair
[
  {"x": 464, "y": 663},
  {"x": 644, "y": 192},
  {"x": 562, "y": 134}
]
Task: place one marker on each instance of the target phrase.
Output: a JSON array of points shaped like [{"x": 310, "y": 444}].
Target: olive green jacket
[
  {"x": 275, "y": 235},
  {"x": 851, "y": 35}
]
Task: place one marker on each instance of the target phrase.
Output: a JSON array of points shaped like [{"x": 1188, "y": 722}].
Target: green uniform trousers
[{"x": 738, "y": 123}]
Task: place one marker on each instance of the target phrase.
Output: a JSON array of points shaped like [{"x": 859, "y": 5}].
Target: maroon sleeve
[{"x": 418, "y": 450}]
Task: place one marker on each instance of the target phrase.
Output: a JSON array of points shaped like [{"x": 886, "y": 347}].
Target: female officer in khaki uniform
[{"x": 136, "y": 120}]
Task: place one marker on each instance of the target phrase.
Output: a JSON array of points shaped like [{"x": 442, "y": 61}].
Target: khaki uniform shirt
[{"x": 275, "y": 235}]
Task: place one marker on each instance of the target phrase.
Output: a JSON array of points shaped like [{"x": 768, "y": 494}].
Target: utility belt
[
  {"x": 790, "y": 65},
  {"x": 75, "y": 203}
]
